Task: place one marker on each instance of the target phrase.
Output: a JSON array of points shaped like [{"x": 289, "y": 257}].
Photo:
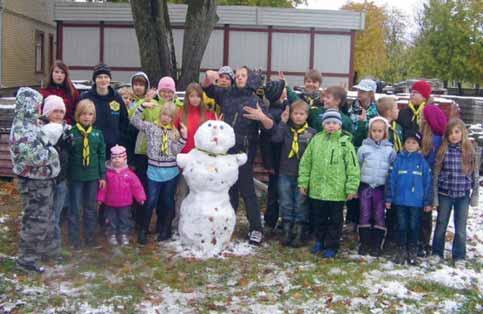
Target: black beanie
[
  {"x": 274, "y": 89},
  {"x": 101, "y": 68},
  {"x": 414, "y": 135}
]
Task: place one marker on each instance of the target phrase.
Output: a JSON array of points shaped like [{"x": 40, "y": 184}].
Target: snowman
[{"x": 207, "y": 219}]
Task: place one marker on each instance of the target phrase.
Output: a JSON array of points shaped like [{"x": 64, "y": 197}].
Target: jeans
[
  {"x": 328, "y": 216},
  {"x": 60, "y": 194},
  {"x": 161, "y": 197},
  {"x": 82, "y": 197},
  {"x": 460, "y": 216},
  {"x": 409, "y": 220},
  {"x": 293, "y": 205},
  {"x": 273, "y": 204},
  {"x": 117, "y": 220}
]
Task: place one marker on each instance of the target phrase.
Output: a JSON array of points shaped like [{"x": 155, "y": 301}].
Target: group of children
[{"x": 101, "y": 151}]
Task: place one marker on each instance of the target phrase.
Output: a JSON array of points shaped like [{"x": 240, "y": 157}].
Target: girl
[
  {"x": 59, "y": 84},
  {"x": 167, "y": 91},
  {"x": 375, "y": 156},
  {"x": 433, "y": 125},
  {"x": 410, "y": 117},
  {"x": 455, "y": 186},
  {"x": 87, "y": 160},
  {"x": 192, "y": 115},
  {"x": 164, "y": 143},
  {"x": 122, "y": 186}
]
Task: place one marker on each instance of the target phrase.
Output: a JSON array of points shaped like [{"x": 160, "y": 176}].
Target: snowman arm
[
  {"x": 241, "y": 159},
  {"x": 182, "y": 160}
]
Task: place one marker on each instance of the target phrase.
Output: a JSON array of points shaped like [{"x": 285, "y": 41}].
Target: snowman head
[{"x": 215, "y": 136}]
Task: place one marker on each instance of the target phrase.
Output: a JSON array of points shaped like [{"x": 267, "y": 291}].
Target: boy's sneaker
[
  {"x": 124, "y": 239},
  {"x": 30, "y": 266},
  {"x": 460, "y": 264},
  {"x": 328, "y": 253},
  {"x": 255, "y": 237},
  {"x": 112, "y": 239},
  {"x": 317, "y": 248}
]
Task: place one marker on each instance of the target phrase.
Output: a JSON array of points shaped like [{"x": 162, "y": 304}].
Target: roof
[{"x": 233, "y": 15}]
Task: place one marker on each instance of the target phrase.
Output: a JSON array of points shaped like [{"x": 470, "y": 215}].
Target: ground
[{"x": 268, "y": 279}]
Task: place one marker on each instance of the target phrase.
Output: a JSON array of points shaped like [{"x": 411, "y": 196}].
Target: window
[{"x": 39, "y": 52}]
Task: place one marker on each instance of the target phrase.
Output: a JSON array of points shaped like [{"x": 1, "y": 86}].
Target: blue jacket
[
  {"x": 409, "y": 182},
  {"x": 375, "y": 160}
]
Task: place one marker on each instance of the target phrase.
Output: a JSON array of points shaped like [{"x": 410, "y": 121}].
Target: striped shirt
[{"x": 452, "y": 179}]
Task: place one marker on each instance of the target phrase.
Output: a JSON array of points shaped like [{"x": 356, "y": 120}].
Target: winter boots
[
  {"x": 401, "y": 255},
  {"x": 143, "y": 236},
  {"x": 292, "y": 234},
  {"x": 377, "y": 240},
  {"x": 287, "y": 233},
  {"x": 371, "y": 240},
  {"x": 365, "y": 240},
  {"x": 298, "y": 231}
]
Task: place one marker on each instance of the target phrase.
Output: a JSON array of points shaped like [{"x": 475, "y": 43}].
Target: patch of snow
[
  {"x": 393, "y": 288},
  {"x": 234, "y": 248},
  {"x": 449, "y": 306},
  {"x": 455, "y": 278}
]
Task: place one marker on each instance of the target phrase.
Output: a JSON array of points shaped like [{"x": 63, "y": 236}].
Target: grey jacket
[{"x": 375, "y": 160}]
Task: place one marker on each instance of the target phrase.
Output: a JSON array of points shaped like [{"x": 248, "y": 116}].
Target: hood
[
  {"x": 28, "y": 103},
  {"x": 255, "y": 80},
  {"x": 144, "y": 75},
  {"x": 371, "y": 142}
]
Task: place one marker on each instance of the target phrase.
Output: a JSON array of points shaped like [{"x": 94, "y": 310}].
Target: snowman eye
[
  {"x": 209, "y": 125},
  {"x": 221, "y": 127}
]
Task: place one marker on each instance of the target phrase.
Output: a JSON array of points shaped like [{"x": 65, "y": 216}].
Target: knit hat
[
  {"x": 118, "y": 151},
  {"x": 379, "y": 118},
  {"x": 99, "y": 69},
  {"x": 366, "y": 85},
  {"x": 331, "y": 115},
  {"x": 435, "y": 118},
  {"x": 422, "y": 87},
  {"x": 52, "y": 131},
  {"x": 274, "y": 89},
  {"x": 52, "y": 103},
  {"x": 228, "y": 71},
  {"x": 414, "y": 135},
  {"x": 167, "y": 82}
]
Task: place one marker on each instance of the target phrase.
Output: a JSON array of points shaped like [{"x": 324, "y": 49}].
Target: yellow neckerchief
[
  {"x": 417, "y": 112},
  {"x": 210, "y": 153},
  {"x": 165, "y": 138},
  {"x": 396, "y": 139},
  {"x": 294, "y": 152},
  {"x": 85, "y": 144}
]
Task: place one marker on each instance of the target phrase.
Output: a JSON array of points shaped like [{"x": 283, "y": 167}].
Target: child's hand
[
  {"x": 285, "y": 114},
  {"x": 102, "y": 184},
  {"x": 351, "y": 196},
  {"x": 303, "y": 191},
  {"x": 99, "y": 204},
  {"x": 253, "y": 113},
  {"x": 150, "y": 94},
  {"x": 183, "y": 130},
  {"x": 363, "y": 115},
  {"x": 219, "y": 117},
  {"x": 388, "y": 205},
  {"x": 428, "y": 208},
  {"x": 281, "y": 76},
  {"x": 212, "y": 76},
  {"x": 141, "y": 203},
  {"x": 148, "y": 104}
]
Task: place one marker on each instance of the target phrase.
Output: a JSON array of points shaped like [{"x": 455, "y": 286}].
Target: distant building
[{"x": 288, "y": 40}]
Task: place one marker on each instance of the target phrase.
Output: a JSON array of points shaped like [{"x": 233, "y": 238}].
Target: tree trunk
[
  {"x": 460, "y": 89},
  {"x": 477, "y": 90},
  {"x": 201, "y": 19},
  {"x": 153, "y": 30}
]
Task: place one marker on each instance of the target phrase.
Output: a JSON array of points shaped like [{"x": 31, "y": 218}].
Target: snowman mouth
[{"x": 215, "y": 139}]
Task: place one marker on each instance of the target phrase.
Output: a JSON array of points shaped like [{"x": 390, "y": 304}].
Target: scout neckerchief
[
  {"x": 294, "y": 152},
  {"x": 165, "y": 138},
  {"x": 396, "y": 138},
  {"x": 210, "y": 153},
  {"x": 85, "y": 143},
  {"x": 417, "y": 112}
]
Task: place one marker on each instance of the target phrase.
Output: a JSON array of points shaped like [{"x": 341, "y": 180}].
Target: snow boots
[
  {"x": 377, "y": 240},
  {"x": 143, "y": 236},
  {"x": 401, "y": 255},
  {"x": 364, "y": 239},
  {"x": 287, "y": 233},
  {"x": 298, "y": 232}
]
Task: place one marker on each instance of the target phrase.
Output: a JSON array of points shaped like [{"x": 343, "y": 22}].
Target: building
[
  {"x": 27, "y": 31},
  {"x": 288, "y": 40}
]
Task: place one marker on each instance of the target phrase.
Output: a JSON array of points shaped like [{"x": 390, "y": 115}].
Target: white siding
[
  {"x": 80, "y": 74},
  {"x": 248, "y": 48},
  {"x": 121, "y": 47},
  {"x": 81, "y": 45},
  {"x": 213, "y": 57},
  {"x": 292, "y": 80},
  {"x": 178, "y": 45},
  {"x": 332, "y": 81},
  {"x": 332, "y": 53},
  {"x": 290, "y": 52}
]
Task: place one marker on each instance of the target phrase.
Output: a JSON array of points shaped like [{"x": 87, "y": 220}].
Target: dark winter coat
[{"x": 270, "y": 150}]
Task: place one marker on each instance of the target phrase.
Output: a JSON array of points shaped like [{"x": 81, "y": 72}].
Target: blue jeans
[
  {"x": 117, "y": 220},
  {"x": 60, "y": 194},
  {"x": 293, "y": 205},
  {"x": 460, "y": 214},
  {"x": 82, "y": 196},
  {"x": 161, "y": 197},
  {"x": 409, "y": 220}
]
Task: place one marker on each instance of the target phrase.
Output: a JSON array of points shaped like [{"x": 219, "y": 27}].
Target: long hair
[
  {"x": 427, "y": 134},
  {"x": 467, "y": 148},
  {"x": 67, "y": 84},
  {"x": 193, "y": 88}
]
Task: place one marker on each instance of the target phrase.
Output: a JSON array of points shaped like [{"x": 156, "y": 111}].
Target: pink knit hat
[
  {"x": 167, "y": 82},
  {"x": 52, "y": 103},
  {"x": 118, "y": 151},
  {"x": 436, "y": 119}
]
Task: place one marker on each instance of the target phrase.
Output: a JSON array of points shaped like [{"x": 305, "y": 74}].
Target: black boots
[
  {"x": 365, "y": 240},
  {"x": 143, "y": 236},
  {"x": 287, "y": 233},
  {"x": 298, "y": 232},
  {"x": 377, "y": 240},
  {"x": 292, "y": 234},
  {"x": 401, "y": 255}
]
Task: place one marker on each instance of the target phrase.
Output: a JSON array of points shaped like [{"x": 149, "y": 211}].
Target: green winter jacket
[
  {"x": 97, "y": 152},
  {"x": 149, "y": 115},
  {"x": 329, "y": 169}
]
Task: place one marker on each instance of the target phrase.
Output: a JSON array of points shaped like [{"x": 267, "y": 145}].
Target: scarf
[
  {"x": 417, "y": 112},
  {"x": 211, "y": 154},
  {"x": 396, "y": 138},
  {"x": 85, "y": 144},
  {"x": 165, "y": 139},
  {"x": 294, "y": 152}
]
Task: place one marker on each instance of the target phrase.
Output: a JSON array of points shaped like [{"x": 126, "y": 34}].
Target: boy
[
  {"x": 387, "y": 108},
  {"x": 409, "y": 189},
  {"x": 294, "y": 137},
  {"x": 226, "y": 77},
  {"x": 329, "y": 174},
  {"x": 311, "y": 92}
]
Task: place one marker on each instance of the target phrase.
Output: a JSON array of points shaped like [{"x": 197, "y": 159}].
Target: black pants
[
  {"x": 272, "y": 213},
  {"x": 352, "y": 215},
  {"x": 328, "y": 216},
  {"x": 246, "y": 188},
  {"x": 426, "y": 228},
  {"x": 141, "y": 165}
]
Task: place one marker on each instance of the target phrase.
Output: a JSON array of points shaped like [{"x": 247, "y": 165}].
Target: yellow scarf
[
  {"x": 396, "y": 139},
  {"x": 294, "y": 152},
  {"x": 417, "y": 112},
  {"x": 165, "y": 139},
  {"x": 85, "y": 144}
]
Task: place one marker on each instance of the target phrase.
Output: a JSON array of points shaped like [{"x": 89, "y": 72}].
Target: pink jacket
[{"x": 121, "y": 186}]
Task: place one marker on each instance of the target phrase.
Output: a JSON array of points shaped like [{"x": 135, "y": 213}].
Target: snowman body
[{"x": 207, "y": 219}]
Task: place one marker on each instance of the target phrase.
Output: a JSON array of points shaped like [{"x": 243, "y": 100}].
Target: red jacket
[
  {"x": 193, "y": 122},
  {"x": 70, "y": 101},
  {"x": 122, "y": 185}
]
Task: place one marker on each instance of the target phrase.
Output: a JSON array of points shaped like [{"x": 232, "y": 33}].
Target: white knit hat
[{"x": 52, "y": 103}]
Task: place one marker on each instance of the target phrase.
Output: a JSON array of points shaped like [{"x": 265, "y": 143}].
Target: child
[
  {"x": 329, "y": 174},
  {"x": 192, "y": 115},
  {"x": 87, "y": 158},
  {"x": 433, "y": 125},
  {"x": 311, "y": 91},
  {"x": 294, "y": 138},
  {"x": 387, "y": 108},
  {"x": 36, "y": 163},
  {"x": 59, "y": 84},
  {"x": 164, "y": 143},
  {"x": 226, "y": 77},
  {"x": 409, "y": 191},
  {"x": 365, "y": 104},
  {"x": 122, "y": 186},
  {"x": 410, "y": 117},
  {"x": 455, "y": 186},
  {"x": 167, "y": 91},
  {"x": 334, "y": 98},
  {"x": 375, "y": 156},
  {"x": 240, "y": 108},
  {"x": 127, "y": 96},
  {"x": 140, "y": 88}
]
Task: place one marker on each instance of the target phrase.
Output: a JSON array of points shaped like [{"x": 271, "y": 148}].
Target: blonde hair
[
  {"x": 467, "y": 148},
  {"x": 171, "y": 110},
  {"x": 126, "y": 91},
  {"x": 386, "y": 129},
  {"x": 427, "y": 140},
  {"x": 299, "y": 104},
  {"x": 385, "y": 104},
  {"x": 85, "y": 105}
]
